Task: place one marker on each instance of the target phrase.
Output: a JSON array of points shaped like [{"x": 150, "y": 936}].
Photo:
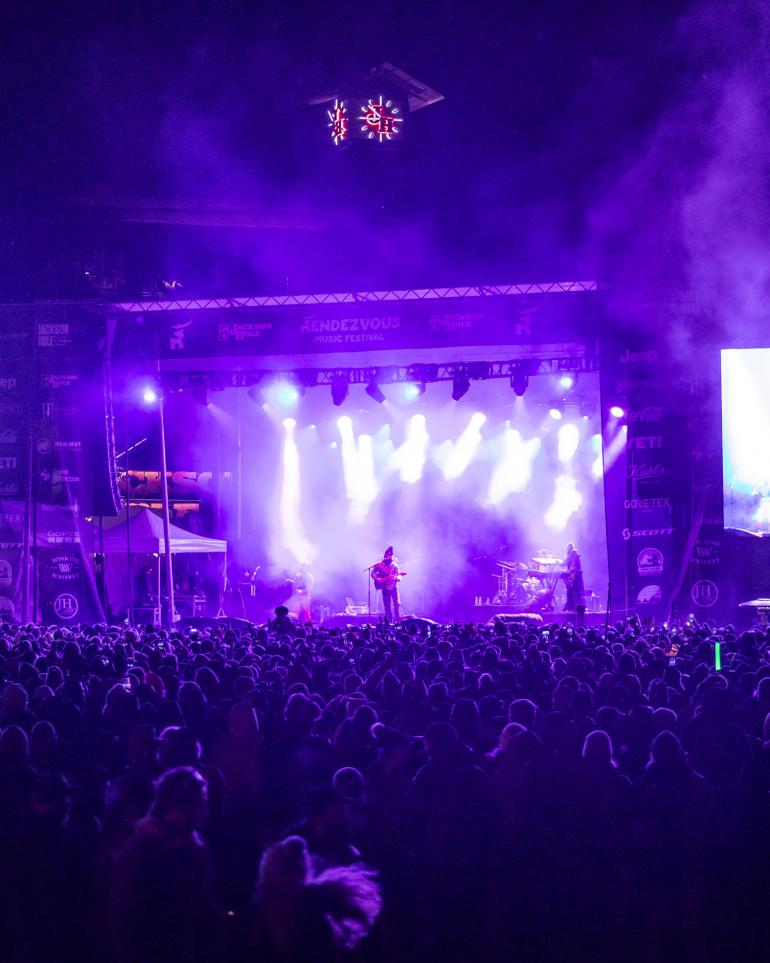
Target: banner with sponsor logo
[
  {"x": 72, "y": 431},
  {"x": 66, "y": 588},
  {"x": 11, "y": 554},
  {"x": 656, "y": 501},
  {"x": 704, "y": 589},
  {"x": 360, "y": 326},
  {"x": 56, "y": 449},
  {"x": 15, "y": 407},
  {"x": 194, "y": 485}
]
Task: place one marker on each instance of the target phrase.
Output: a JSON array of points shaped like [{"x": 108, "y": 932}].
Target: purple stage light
[
  {"x": 413, "y": 390},
  {"x": 567, "y": 381},
  {"x": 555, "y": 414},
  {"x": 150, "y": 395},
  {"x": 286, "y": 394},
  {"x": 616, "y": 411}
]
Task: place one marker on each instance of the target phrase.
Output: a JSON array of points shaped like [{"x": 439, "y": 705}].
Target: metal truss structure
[
  {"x": 387, "y": 374},
  {"x": 359, "y": 297}
]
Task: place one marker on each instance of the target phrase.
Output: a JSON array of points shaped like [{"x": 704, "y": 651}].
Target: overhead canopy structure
[
  {"x": 138, "y": 536},
  {"x": 145, "y": 537}
]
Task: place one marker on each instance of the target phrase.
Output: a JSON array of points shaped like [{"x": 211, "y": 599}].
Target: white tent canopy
[
  {"x": 142, "y": 533},
  {"x": 145, "y": 531}
]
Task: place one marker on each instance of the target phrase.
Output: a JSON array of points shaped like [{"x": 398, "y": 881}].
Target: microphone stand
[{"x": 369, "y": 587}]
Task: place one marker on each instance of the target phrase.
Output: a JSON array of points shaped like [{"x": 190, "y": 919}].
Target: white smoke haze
[
  {"x": 682, "y": 225},
  {"x": 453, "y": 486}
]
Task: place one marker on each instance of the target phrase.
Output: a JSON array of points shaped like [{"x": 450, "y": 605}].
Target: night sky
[{"x": 600, "y": 139}]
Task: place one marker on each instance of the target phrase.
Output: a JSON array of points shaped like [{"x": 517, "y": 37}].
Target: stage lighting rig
[
  {"x": 340, "y": 390},
  {"x": 375, "y": 392},
  {"x": 460, "y": 386},
  {"x": 200, "y": 394},
  {"x": 519, "y": 383},
  {"x": 422, "y": 373}
]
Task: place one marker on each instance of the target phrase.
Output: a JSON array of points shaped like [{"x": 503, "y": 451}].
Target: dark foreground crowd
[{"x": 386, "y": 794}]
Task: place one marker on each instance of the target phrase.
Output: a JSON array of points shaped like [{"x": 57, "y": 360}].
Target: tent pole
[
  {"x": 129, "y": 559},
  {"x": 158, "y": 589},
  {"x": 168, "y": 621},
  {"x": 239, "y": 469}
]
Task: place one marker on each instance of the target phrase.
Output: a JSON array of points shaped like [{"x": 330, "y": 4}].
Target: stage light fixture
[
  {"x": 281, "y": 393},
  {"x": 567, "y": 381},
  {"x": 414, "y": 390},
  {"x": 555, "y": 414},
  {"x": 340, "y": 390},
  {"x": 150, "y": 394},
  {"x": 616, "y": 411},
  {"x": 306, "y": 378},
  {"x": 375, "y": 392},
  {"x": 460, "y": 386},
  {"x": 422, "y": 373},
  {"x": 519, "y": 383}
]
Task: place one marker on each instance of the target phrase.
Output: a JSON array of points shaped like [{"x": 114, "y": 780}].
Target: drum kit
[{"x": 539, "y": 585}]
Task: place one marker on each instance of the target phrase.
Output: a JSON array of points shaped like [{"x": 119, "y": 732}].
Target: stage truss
[
  {"x": 359, "y": 297},
  {"x": 381, "y": 375}
]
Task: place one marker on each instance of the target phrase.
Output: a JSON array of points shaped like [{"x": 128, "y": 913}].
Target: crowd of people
[{"x": 385, "y": 793}]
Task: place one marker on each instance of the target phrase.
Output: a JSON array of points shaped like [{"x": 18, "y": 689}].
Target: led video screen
[{"x": 746, "y": 439}]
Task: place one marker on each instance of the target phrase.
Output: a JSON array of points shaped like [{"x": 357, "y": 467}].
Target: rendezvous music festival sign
[{"x": 363, "y": 326}]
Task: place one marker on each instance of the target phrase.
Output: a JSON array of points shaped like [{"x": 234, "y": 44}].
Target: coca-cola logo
[
  {"x": 645, "y": 415},
  {"x": 642, "y": 470}
]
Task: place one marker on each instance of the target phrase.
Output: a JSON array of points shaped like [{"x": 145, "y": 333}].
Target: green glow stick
[{"x": 718, "y": 656}]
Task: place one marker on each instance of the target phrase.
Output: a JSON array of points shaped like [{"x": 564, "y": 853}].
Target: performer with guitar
[{"x": 386, "y": 576}]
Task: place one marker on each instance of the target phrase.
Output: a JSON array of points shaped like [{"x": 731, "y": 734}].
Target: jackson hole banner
[{"x": 55, "y": 450}]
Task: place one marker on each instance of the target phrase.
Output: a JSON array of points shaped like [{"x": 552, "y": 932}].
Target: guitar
[{"x": 380, "y": 578}]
